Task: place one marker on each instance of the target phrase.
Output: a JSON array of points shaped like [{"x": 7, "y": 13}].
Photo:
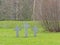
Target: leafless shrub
[{"x": 50, "y": 15}]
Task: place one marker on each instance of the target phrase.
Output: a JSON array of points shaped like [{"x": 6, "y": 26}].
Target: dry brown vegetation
[{"x": 48, "y": 11}]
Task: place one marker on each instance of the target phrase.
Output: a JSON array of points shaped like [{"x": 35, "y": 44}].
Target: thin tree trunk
[{"x": 33, "y": 15}]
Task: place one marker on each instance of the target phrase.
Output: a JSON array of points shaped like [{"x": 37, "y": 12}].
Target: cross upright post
[
  {"x": 26, "y": 26},
  {"x": 17, "y": 31},
  {"x": 35, "y": 29}
]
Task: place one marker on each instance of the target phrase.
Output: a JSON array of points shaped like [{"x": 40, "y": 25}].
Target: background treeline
[
  {"x": 27, "y": 10},
  {"x": 48, "y": 11},
  {"x": 16, "y": 9}
]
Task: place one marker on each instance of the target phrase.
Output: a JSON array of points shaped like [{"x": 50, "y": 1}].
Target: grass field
[{"x": 8, "y": 37}]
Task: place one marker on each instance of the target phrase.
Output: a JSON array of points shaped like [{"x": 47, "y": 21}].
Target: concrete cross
[
  {"x": 35, "y": 29},
  {"x": 17, "y": 31},
  {"x": 26, "y": 26}
]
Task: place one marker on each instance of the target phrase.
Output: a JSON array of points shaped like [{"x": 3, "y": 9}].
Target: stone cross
[
  {"x": 35, "y": 29},
  {"x": 26, "y": 26},
  {"x": 17, "y": 31}
]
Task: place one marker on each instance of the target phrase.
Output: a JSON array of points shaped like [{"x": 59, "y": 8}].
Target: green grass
[{"x": 8, "y": 37}]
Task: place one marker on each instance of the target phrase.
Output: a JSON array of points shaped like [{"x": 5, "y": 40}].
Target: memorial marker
[
  {"x": 26, "y": 26},
  {"x": 35, "y": 29},
  {"x": 17, "y": 31}
]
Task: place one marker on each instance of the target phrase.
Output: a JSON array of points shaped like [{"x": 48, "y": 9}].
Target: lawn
[{"x": 8, "y": 36}]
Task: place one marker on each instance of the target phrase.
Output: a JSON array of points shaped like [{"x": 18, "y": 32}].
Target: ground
[{"x": 8, "y": 37}]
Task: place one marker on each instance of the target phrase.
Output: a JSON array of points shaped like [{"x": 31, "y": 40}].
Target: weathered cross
[
  {"x": 26, "y": 26},
  {"x": 35, "y": 29},
  {"x": 17, "y": 31}
]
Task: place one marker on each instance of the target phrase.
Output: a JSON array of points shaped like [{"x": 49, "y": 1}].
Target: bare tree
[
  {"x": 33, "y": 17},
  {"x": 50, "y": 15},
  {"x": 48, "y": 11},
  {"x": 16, "y": 9}
]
